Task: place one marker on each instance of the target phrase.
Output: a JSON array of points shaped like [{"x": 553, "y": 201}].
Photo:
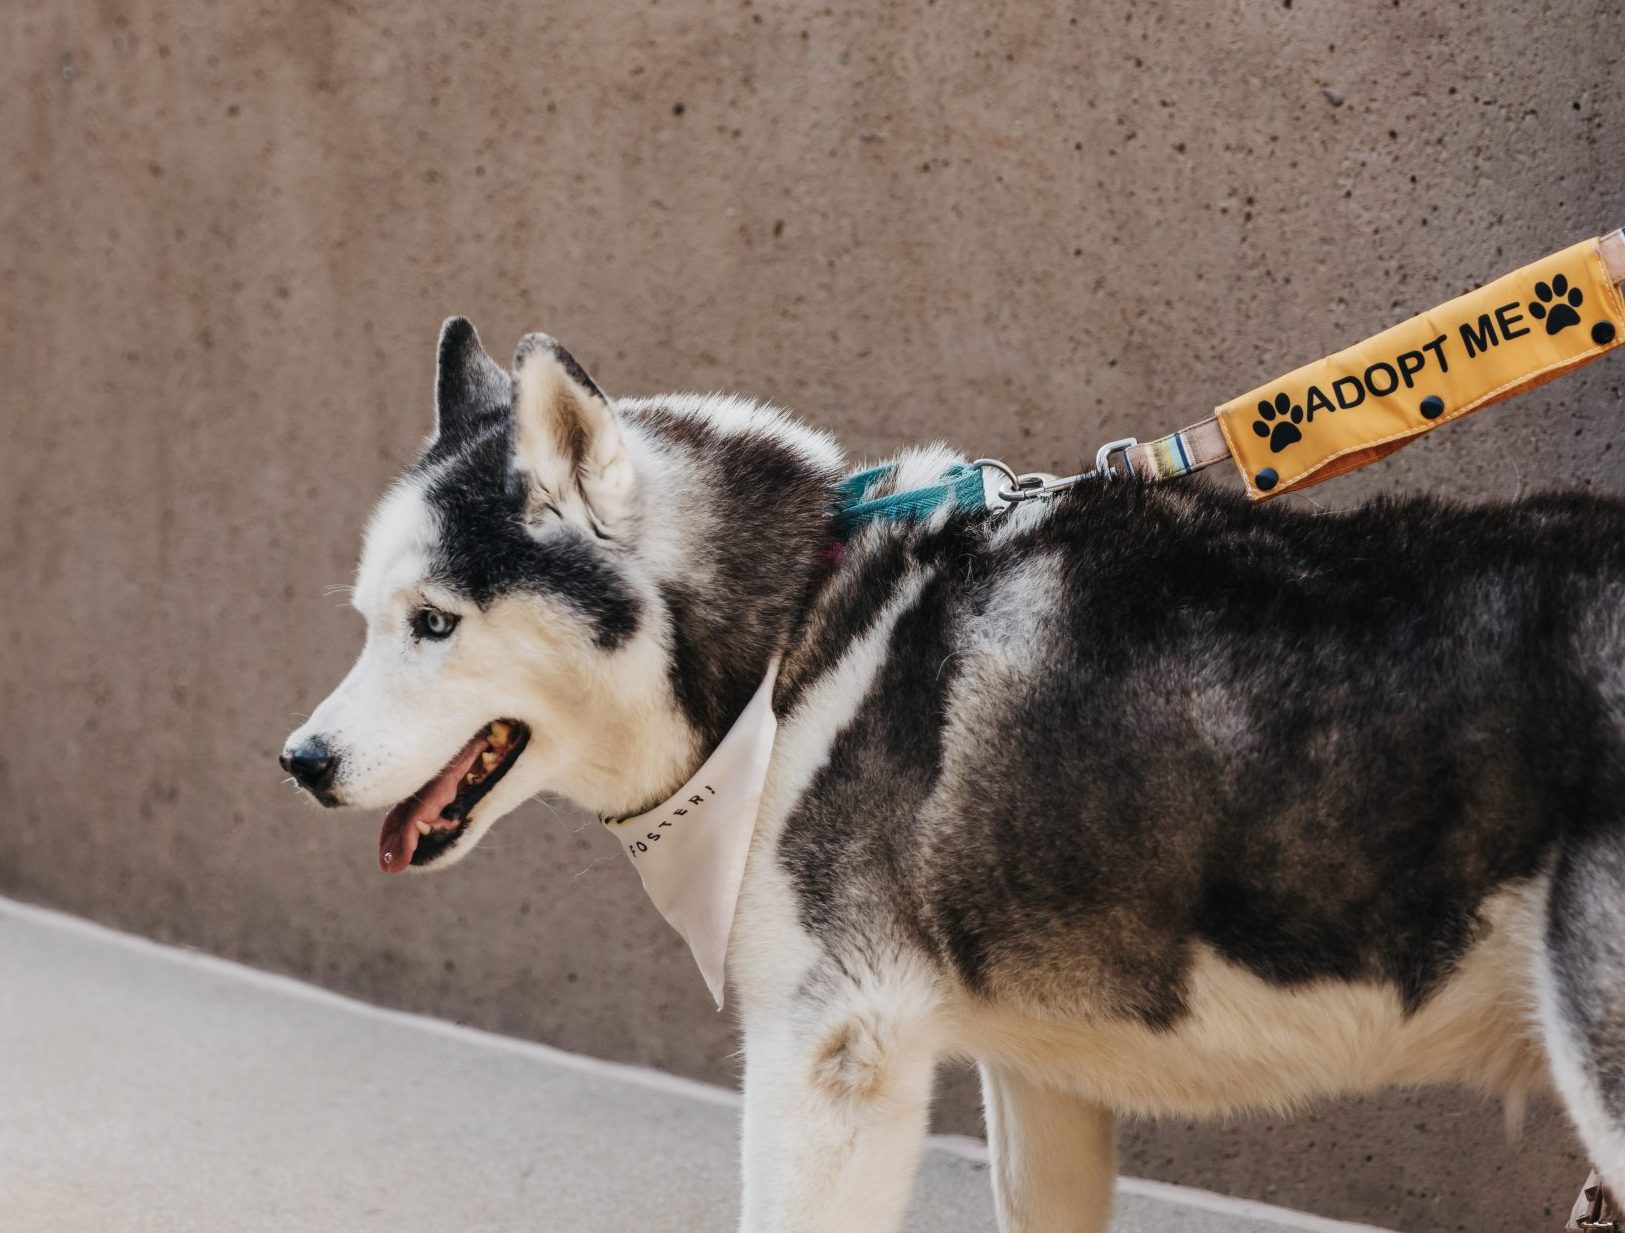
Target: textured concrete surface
[
  {"x": 148, "y": 1092},
  {"x": 228, "y": 234}
]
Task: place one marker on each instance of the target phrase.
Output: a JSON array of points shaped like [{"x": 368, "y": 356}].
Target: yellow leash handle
[{"x": 1370, "y": 399}]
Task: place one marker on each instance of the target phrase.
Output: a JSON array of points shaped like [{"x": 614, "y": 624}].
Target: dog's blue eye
[{"x": 433, "y": 624}]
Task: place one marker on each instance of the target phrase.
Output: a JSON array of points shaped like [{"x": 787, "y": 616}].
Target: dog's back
[{"x": 1143, "y": 735}]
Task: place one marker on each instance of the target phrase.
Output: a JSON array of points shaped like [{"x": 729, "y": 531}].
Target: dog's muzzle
[{"x": 313, "y": 766}]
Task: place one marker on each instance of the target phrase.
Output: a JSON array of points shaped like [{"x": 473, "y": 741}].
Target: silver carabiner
[{"x": 1037, "y": 484}]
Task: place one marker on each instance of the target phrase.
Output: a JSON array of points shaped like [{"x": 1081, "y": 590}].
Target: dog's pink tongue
[{"x": 399, "y": 837}]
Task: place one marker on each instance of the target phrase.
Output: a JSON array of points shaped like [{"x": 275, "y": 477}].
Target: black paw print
[
  {"x": 1559, "y": 315},
  {"x": 1286, "y": 416}
]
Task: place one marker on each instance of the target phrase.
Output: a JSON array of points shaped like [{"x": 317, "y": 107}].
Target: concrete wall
[{"x": 231, "y": 232}]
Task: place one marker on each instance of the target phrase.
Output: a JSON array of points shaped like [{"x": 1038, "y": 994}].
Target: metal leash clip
[{"x": 1038, "y": 484}]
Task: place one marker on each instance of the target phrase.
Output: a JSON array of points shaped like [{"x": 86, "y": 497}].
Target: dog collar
[
  {"x": 968, "y": 486},
  {"x": 690, "y": 850},
  {"x": 960, "y": 486}
]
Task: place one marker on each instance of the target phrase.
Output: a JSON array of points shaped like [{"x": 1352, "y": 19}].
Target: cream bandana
[{"x": 690, "y": 851}]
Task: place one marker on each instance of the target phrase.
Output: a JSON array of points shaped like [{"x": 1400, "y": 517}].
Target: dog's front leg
[
  {"x": 1054, "y": 1161},
  {"x": 835, "y": 1118}
]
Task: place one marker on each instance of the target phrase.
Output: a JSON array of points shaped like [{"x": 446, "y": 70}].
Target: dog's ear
[
  {"x": 566, "y": 439},
  {"x": 470, "y": 388}
]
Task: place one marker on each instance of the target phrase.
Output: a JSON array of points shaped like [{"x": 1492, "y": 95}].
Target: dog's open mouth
[{"x": 427, "y": 824}]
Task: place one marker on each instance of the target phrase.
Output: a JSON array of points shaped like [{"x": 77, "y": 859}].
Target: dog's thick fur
[{"x": 1144, "y": 797}]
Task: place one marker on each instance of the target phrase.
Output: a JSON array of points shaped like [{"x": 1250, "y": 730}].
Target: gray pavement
[{"x": 148, "y": 1090}]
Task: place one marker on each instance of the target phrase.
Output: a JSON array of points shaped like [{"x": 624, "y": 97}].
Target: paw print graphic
[
  {"x": 1555, "y": 304},
  {"x": 1279, "y": 421}
]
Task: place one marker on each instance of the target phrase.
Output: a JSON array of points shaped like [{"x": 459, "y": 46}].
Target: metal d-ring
[
  {"x": 994, "y": 464},
  {"x": 1021, "y": 486}
]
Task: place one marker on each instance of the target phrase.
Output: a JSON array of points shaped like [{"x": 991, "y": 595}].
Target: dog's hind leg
[
  {"x": 1581, "y": 982},
  {"x": 1054, "y": 1160},
  {"x": 836, "y": 1103}
]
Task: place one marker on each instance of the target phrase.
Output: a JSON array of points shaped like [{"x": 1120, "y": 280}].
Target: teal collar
[{"x": 960, "y": 486}]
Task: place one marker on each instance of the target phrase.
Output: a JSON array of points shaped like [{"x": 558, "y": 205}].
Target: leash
[{"x": 1346, "y": 410}]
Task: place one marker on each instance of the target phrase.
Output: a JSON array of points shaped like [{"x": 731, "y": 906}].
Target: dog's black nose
[{"x": 312, "y": 764}]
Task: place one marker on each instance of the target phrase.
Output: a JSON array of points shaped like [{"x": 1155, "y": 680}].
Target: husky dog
[{"x": 1145, "y": 798}]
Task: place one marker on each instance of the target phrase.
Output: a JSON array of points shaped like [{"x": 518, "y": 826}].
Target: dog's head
[{"x": 508, "y": 648}]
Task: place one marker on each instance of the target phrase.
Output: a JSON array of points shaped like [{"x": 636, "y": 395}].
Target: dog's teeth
[
  {"x": 423, "y": 826},
  {"x": 489, "y": 759},
  {"x": 469, "y": 778},
  {"x": 499, "y": 732}
]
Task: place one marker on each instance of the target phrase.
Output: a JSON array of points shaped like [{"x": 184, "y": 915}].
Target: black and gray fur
[{"x": 1316, "y": 743}]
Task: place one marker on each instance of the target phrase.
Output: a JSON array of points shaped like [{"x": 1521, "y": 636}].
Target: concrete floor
[{"x": 151, "y": 1090}]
